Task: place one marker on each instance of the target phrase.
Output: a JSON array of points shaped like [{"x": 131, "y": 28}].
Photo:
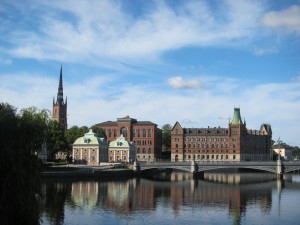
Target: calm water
[{"x": 221, "y": 198}]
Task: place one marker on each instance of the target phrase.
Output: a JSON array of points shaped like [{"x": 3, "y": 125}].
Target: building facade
[
  {"x": 284, "y": 150},
  {"x": 90, "y": 149},
  {"x": 121, "y": 150},
  {"x": 145, "y": 135},
  {"x": 235, "y": 143},
  {"x": 59, "y": 108}
]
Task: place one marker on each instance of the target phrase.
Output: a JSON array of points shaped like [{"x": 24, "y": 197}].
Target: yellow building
[
  {"x": 90, "y": 149},
  {"x": 121, "y": 150}
]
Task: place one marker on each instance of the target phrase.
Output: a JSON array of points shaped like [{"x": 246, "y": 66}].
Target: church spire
[{"x": 60, "y": 93}]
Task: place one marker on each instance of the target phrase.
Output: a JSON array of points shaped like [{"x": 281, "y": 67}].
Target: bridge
[{"x": 278, "y": 167}]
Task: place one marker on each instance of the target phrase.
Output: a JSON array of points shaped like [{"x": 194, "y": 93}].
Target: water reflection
[{"x": 234, "y": 193}]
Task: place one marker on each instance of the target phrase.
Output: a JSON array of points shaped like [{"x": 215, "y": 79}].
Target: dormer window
[{"x": 86, "y": 140}]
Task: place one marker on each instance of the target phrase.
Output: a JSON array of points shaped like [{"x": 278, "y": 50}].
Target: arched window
[
  {"x": 115, "y": 133},
  {"x": 144, "y": 133},
  {"x": 124, "y": 132}
]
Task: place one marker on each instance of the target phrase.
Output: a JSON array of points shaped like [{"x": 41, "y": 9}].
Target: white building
[
  {"x": 284, "y": 150},
  {"x": 90, "y": 149},
  {"x": 121, "y": 150}
]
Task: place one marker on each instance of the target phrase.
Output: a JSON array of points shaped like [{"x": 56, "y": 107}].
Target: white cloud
[
  {"x": 102, "y": 29},
  {"x": 296, "y": 79},
  {"x": 95, "y": 100},
  {"x": 180, "y": 83},
  {"x": 264, "y": 51},
  {"x": 287, "y": 19}
]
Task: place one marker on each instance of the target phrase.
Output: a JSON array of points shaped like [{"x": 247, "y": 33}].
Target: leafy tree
[
  {"x": 296, "y": 152},
  {"x": 56, "y": 140},
  {"x": 100, "y": 132},
  {"x": 73, "y": 133},
  {"x": 21, "y": 136},
  {"x": 166, "y": 135}
]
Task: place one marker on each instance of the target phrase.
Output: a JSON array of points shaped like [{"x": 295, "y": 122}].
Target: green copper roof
[
  {"x": 120, "y": 142},
  {"x": 89, "y": 138},
  {"x": 236, "y": 117}
]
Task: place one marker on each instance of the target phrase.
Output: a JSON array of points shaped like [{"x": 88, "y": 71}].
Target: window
[
  {"x": 115, "y": 133},
  {"x": 109, "y": 133},
  {"x": 144, "y": 133},
  {"x": 149, "y": 151},
  {"x": 149, "y": 133},
  {"x": 133, "y": 133},
  {"x": 139, "y": 132},
  {"x": 124, "y": 132}
]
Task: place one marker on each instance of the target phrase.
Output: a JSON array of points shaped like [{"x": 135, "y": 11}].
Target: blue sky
[{"x": 163, "y": 61}]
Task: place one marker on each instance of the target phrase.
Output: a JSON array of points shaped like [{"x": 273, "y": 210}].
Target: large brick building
[
  {"x": 235, "y": 143},
  {"x": 146, "y": 136}
]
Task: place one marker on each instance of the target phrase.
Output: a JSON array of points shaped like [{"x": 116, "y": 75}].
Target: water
[{"x": 221, "y": 198}]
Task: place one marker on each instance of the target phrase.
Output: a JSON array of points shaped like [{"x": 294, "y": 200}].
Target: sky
[{"x": 160, "y": 61}]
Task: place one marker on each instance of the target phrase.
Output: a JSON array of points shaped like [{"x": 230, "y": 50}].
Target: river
[{"x": 175, "y": 198}]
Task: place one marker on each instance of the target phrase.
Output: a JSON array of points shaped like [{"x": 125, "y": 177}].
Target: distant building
[
  {"x": 235, "y": 143},
  {"x": 121, "y": 150},
  {"x": 59, "y": 109},
  {"x": 284, "y": 150},
  {"x": 90, "y": 149},
  {"x": 145, "y": 135}
]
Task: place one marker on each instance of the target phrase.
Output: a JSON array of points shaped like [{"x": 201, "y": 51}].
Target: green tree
[
  {"x": 166, "y": 135},
  {"x": 21, "y": 136},
  {"x": 100, "y": 132},
  {"x": 56, "y": 140},
  {"x": 73, "y": 133}
]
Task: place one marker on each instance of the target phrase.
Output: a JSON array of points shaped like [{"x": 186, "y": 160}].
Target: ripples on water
[{"x": 174, "y": 198}]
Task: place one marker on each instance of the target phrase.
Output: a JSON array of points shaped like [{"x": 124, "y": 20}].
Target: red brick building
[
  {"x": 235, "y": 143},
  {"x": 146, "y": 136}
]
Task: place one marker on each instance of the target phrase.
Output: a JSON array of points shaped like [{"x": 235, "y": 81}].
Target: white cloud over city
[{"x": 164, "y": 61}]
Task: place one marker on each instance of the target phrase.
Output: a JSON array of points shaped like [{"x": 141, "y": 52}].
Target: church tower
[{"x": 59, "y": 112}]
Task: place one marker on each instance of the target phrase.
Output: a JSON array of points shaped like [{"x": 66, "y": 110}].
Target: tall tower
[{"x": 59, "y": 112}]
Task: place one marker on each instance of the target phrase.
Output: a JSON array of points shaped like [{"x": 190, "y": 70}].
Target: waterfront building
[
  {"x": 145, "y": 135},
  {"x": 59, "y": 108},
  {"x": 284, "y": 150},
  {"x": 121, "y": 150},
  {"x": 90, "y": 149},
  {"x": 235, "y": 143}
]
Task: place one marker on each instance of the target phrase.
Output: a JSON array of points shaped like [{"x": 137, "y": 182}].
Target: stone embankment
[{"x": 88, "y": 171}]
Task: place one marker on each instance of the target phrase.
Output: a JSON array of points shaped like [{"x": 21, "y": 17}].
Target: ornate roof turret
[{"x": 237, "y": 120}]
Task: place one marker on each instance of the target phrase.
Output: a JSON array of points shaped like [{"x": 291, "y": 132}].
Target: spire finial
[{"x": 60, "y": 95}]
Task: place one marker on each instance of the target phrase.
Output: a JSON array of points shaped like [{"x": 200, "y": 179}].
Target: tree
[
  {"x": 73, "y": 133},
  {"x": 166, "y": 135},
  {"x": 100, "y": 132},
  {"x": 56, "y": 140},
  {"x": 21, "y": 136}
]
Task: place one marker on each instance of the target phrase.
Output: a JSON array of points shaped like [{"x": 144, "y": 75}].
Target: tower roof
[
  {"x": 60, "y": 93},
  {"x": 236, "y": 120}
]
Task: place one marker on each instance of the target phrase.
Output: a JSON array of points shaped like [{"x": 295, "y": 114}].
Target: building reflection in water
[{"x": 235, "y": 192}]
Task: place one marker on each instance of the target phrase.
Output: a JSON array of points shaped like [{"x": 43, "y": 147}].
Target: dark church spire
[{"x": 60, "y": 93}]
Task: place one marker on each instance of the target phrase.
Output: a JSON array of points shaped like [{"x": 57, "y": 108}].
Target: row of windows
[
  {"x": 208, "y": 157},
  {"x": 143, "y": 150},
  {"x": 204, "y": 139},
  {"x": 134, "y": 132},
  {"x": 143, "y": 142},
  {"x": 208, "y": 151},
  {"x": 206, "y": 145}
]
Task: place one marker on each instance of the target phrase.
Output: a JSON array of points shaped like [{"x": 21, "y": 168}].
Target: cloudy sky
[{"x": 163, "y": 61}]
